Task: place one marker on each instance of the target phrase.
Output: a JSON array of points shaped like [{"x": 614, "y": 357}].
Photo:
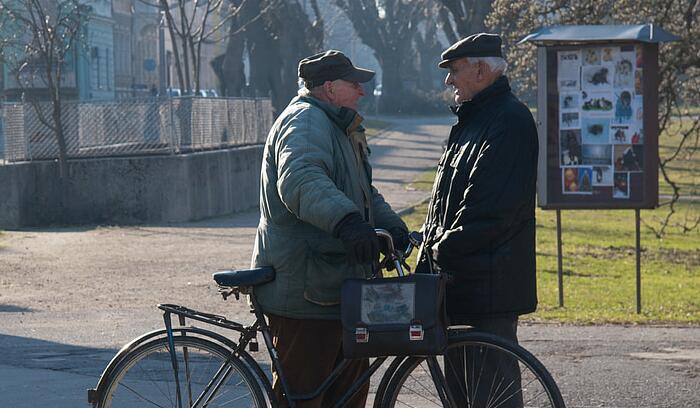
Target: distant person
[
  {"x": 318, "y": 211},
  {"x": 154, "y": 91},
  {"x": 480, "y": 226}
]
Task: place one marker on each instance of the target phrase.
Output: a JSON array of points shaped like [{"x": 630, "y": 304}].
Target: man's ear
[{"x": 328, "y": 88}]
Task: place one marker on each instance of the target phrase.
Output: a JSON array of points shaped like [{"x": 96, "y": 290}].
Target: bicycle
[{"x": 187, "y": 366}]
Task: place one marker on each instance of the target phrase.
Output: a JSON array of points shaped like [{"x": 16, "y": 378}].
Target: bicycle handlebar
[{"x": 415, "y": 240}]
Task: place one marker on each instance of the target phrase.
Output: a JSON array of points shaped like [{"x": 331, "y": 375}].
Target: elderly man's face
[
  {"x": 345, "y": 93},
  {"x": 465, "y": 79}
]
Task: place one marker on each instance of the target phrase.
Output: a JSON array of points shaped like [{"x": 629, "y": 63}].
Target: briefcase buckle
[
  {"x": 415, "y": 332},
  {"x": 361, "y": 335}
]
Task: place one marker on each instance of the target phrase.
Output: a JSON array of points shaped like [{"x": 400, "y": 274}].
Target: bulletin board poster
[{"x": 596, "y": 125}]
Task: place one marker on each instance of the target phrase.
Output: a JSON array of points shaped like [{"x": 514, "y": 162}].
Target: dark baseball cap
[
  {"x": 329, "y": 66},
  {"x": 476, "y": 45}
]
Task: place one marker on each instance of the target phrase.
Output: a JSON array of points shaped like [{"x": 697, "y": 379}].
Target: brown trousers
[{"x": 308, "y": 351}]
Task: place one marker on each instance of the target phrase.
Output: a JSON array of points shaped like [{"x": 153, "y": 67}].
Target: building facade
[{"x": 117, "y": 56}]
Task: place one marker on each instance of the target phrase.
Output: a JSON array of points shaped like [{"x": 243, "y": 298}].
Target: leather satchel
[{"x": 394, "y": 316}]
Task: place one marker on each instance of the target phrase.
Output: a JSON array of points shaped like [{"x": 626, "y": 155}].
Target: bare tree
[
  {"x": 275, "y": 42},
  {"x": 389, "y": 28},
  {"x": 679, "y": 88},
  {"x": 40, "y": 37},
  {"x": 460, "y": 18},
  {"x": 192, "y": 24}
]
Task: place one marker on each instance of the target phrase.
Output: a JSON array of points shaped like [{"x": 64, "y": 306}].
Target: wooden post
[
  {"x": 639, "y": 267},
  {"x": 560, "y": 270}
]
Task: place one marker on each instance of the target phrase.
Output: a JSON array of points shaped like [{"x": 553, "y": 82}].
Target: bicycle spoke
[
  {"x": 146, "y": 374},
  {"x": 141, "y": 396},
  {"x": 423, "y": 386},
  {"x": 488, "y": 372},
  {"x": 156, "y": 384}
]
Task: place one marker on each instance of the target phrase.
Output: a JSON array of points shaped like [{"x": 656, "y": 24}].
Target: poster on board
[{"x": 600, "y": 115}]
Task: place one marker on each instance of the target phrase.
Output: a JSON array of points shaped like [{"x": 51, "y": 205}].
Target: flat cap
[
  {"x": 476, "y": 45},
  {"x": 329, "y": 66}
]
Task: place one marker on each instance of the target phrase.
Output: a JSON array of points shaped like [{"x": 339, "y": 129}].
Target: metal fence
[{"x": 136, "y": 127}]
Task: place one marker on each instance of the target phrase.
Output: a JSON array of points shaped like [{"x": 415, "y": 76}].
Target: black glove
[
  {"x": 359, "y": 239},
  {"x": 400, "y": 237}
]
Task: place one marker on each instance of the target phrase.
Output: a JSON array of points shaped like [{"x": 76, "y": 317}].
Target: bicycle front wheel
[
  {"x": 478, "y": 370},
  {"x": 207, "y": 375}
]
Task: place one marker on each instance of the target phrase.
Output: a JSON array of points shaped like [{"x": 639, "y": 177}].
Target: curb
[{"x": 408, "y": 210}]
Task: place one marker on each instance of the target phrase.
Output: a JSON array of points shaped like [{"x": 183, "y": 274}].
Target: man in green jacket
[{"x": 318, "y": 211}]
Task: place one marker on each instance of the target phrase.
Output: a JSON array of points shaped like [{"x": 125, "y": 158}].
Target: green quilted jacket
[{"x": 315, "y": 171}]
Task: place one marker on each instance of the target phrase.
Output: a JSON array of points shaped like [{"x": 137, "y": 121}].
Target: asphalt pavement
[{"x": 70, "y": 297}]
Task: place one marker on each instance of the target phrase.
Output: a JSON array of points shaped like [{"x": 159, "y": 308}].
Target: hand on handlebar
[
  {"x": 359, "y": 239},
  {"x": 399, "y": 237},
  {"x": 398, "y": 254}
]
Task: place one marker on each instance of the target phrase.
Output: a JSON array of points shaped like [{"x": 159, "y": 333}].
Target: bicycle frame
[
  {"x": 247, "y": 334},
  {"x": 247, "y": 339},
  {"x": 240, "y": 358}
]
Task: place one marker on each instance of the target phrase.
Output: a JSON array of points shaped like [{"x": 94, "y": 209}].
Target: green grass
[
  {"x": 599, "y": 260},
  {"x": 424, "y": 181},
  {"x": 599, "y": 269},
  {"x": 374, "y": 126}
]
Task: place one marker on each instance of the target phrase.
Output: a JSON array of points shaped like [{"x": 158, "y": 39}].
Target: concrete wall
[{"x": 131, "y": 190}]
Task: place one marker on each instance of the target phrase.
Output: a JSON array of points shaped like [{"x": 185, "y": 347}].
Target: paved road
[{"x": 69, "y": 297}]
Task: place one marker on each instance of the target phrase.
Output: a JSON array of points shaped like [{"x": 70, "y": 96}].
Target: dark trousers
[
  {"x": 475, "y": 374},
  {"x": 309, "y": 350}
]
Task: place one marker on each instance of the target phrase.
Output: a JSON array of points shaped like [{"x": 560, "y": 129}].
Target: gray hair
[
  {"x": 497, "y": 64},
  {"x": 303, "y": 90}
]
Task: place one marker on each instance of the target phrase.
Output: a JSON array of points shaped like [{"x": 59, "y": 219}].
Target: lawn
[
  {"x": 599, "y": 269},
  {"x": 373, "y": 127},
  {"x": 599, "y": 259},
  {"x": 686, "y": 170}
]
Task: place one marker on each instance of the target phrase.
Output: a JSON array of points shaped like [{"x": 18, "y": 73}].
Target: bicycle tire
[
  {"x": 413, "y": 385},
  {"x": 146, "y": 376},
  {"x": 386, "y": 380}
]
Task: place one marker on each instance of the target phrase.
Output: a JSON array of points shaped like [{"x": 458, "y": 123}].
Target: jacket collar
[
  {"x": 500, "y": 86},
  {"x": 348, "y": 120}
]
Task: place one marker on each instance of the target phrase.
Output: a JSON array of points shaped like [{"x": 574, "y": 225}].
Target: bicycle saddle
[{"x": 245, "y": 277}]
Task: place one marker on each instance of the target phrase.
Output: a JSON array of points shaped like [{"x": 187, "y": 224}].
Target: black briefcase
[{"x": 394, "y": 316}]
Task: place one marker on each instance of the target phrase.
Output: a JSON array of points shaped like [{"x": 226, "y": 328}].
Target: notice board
[{"x": 598, "y": 125}]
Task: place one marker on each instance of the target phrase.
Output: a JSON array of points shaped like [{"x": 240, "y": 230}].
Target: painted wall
[{"x": 134, "y": 190}]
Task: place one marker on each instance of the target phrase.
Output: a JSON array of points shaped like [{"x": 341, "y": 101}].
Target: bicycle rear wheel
[
  {"x": 481, "y": 371},
  {"x": 146, "y": 377}
]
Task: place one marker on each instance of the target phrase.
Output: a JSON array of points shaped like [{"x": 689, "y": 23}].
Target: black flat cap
[
  {"x": 329, "y": 66},
  {"x": 476, "y": 45}
]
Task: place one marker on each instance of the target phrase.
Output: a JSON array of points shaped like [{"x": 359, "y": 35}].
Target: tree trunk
[
  {"x": 392, "y": 89},
  {"x": 54, "y": 89},
  {"x": 173, "y": 40},
  {"x": 229, "y": 66}
]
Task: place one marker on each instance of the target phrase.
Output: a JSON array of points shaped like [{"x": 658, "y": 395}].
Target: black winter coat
[{"x": 481, "y": 218}]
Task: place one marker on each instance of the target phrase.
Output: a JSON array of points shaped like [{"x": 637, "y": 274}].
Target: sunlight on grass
[
  {"x": 599, "y": 266},
  {"x": 373, "y": 127}
]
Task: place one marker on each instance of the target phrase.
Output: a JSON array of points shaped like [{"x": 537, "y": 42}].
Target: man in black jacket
[{"x": 480, "y": 227}]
